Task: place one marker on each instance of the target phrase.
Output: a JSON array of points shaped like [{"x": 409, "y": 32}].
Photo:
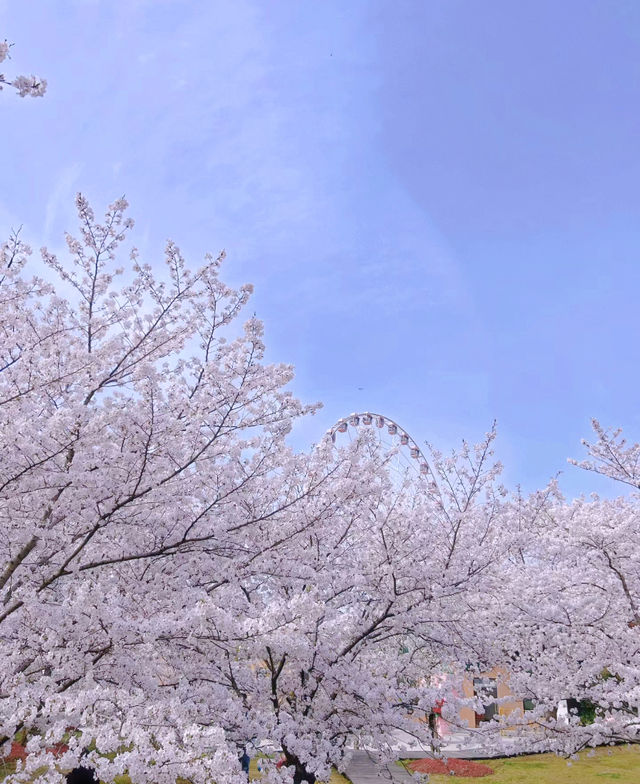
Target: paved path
[
  {"x": 457, "y": 744},
  {"x": 364, "y": 770},
  {"x": 465, "y": 744}
]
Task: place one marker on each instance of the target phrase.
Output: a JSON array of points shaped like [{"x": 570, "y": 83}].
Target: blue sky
[{"x": 436, "y": 200}]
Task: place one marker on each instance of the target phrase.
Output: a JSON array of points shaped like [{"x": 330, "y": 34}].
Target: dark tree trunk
[
  {"x": 82, "y": 775},
  {"x": 300, "y": 773}
]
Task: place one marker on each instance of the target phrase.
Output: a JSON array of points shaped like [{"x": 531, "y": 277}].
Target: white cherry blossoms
[{"x": 32, "y": 85}]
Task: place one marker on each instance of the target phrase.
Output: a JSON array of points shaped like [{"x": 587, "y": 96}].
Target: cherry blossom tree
[
  {"x": 135, "y": 434},
  {"x": 567, "y": 615},
  {"x": 33, "y": 86},
  {"x": 174, "y": 580},
  {"x": 341, "y": 636}
]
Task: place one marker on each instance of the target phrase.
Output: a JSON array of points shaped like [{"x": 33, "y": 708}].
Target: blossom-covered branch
[{"x": 33, "y": 86}]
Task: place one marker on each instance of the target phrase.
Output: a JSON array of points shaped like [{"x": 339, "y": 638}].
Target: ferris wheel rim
[{"x": 367, "y": 419}]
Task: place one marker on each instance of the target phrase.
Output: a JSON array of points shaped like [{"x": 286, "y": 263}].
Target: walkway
[
  {"x": 364, "y": 770},
  {"x": 461, "y": 743}
]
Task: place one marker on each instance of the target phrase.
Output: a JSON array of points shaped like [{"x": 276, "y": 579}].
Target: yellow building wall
[{"x": 504, "y": 709}]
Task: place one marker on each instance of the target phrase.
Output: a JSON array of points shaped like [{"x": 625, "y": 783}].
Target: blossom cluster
[{"x": 33, "y": 86}]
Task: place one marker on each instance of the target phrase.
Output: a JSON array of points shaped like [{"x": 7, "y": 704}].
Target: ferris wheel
[{"x": 408, "y": 458}]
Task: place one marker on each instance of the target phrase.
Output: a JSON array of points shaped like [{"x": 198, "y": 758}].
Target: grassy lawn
[{"x": 620, "y": 764}]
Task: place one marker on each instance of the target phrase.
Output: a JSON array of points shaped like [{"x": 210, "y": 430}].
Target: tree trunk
[{"x": 300, "y": 773}]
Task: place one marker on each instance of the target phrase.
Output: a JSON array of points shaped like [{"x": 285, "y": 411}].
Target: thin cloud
[{"x": 60, "y": 201}]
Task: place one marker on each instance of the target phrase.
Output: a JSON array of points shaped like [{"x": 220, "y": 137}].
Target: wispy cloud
[{"x": 60, "y": 201}]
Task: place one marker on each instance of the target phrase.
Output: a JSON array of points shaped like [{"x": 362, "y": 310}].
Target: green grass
[
  {"x": 9, "y": 767},
  {"x": 620, "y": 764}
]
